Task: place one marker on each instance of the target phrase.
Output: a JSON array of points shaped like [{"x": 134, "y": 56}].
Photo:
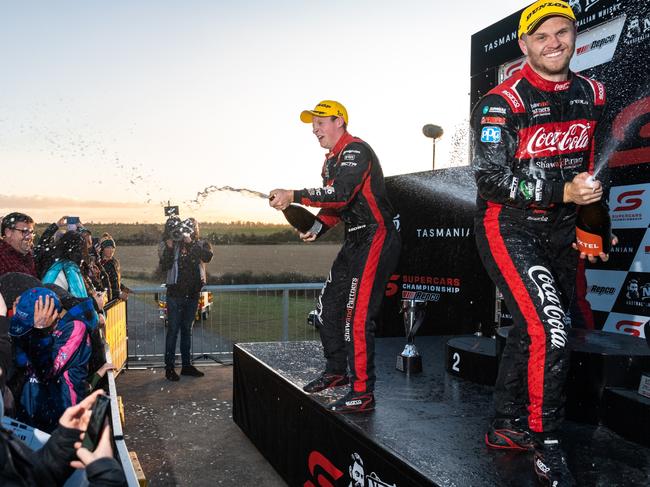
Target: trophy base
[{"x": 409, "y": 365}]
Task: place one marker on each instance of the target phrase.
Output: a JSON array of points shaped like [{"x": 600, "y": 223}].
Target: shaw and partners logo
[{"x": 550, "y": 303}]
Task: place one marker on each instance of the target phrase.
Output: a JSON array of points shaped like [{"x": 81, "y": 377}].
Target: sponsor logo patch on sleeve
[
  {"x": 491, "y": 135},
  {"x": 493, "y": 121}
]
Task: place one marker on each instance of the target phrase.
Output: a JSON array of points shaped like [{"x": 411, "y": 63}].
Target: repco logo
[
  {"x": 551, "y": 305},
  {"x": 573, "y": 139},
  {"x": 628, "y": 202}
]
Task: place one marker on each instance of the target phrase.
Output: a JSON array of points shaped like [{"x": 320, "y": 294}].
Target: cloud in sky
[{"x": 55, "y": 202}]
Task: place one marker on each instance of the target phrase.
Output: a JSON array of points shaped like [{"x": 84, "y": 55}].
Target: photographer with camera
[{"x": 183, "y": 256}]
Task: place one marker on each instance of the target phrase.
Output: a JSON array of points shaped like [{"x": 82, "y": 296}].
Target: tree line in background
[{"x": 218, "y": 233}]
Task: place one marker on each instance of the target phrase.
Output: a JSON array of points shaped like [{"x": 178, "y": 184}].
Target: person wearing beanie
[
  {"x": 349, "y": 305},
  {"x": 111, "y": 266},
  {"x": 52, "y": 349}
]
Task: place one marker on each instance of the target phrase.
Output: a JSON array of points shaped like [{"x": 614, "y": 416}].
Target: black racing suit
[
  {"x": 350, "y": 302},
  {"x": 530, "y": 137}
]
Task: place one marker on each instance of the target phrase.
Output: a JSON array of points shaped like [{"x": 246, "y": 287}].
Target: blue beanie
[{"x": 23, "y": 319}]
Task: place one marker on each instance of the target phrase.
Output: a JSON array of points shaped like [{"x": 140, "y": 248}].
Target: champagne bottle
[
  {"x": 302, "y": 219},
  {"x": 593, "y": 229}
]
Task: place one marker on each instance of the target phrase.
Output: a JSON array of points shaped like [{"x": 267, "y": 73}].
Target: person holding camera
[{"x": 183, "y": 256}]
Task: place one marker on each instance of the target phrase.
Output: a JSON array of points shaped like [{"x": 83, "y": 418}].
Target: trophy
[{"x": 410, "y": 361}]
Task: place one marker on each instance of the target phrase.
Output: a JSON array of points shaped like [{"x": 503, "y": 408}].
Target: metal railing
[{"x": 237, "y": 313}]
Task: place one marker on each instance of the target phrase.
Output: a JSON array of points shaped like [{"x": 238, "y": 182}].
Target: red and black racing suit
[
  {"x": 350, "y": 302},
  {"x": 530, "y": 137}
]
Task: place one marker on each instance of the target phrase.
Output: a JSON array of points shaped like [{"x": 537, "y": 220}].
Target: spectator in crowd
[
  {"x": 183, "y": 261},
  {"x": 46, "y": 246},
  {"x": 16, "y": 245},
  {"x": 112, "y": 267},
  {"x": 70, "y": 254},
  {"x": 97, "y": 365},
  {"x": 91, "y": 269},
  {"x": 53, "y": 349},
  {"x": 65, "y": 271},
  {"x": 52, "y": 464}
]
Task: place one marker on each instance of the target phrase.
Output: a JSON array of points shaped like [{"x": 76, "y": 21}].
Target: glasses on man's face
[{"x": 26, "y": 232}]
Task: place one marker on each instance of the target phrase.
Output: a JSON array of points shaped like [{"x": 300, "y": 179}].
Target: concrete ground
[{"x": 183, "y": 432}]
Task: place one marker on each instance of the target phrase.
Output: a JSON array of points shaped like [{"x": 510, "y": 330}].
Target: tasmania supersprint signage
[{"x": 439, "y": 263}]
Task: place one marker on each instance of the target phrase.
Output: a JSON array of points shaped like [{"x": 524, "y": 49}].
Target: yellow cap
[
  {"x": 326, "y": 108},
  {"x": 533, "y": 15}
]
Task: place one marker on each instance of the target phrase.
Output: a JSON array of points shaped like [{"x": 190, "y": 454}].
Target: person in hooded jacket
[
  {"x": 53, "y": 349},
  {"x": 51, "y": 465}
]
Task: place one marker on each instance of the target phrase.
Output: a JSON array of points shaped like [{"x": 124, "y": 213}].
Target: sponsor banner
[
  {"x": 623, "y": 254},
  {"x": 626, "y": 324},
  {"x": 637, "y": 30},
  {"x": 597, "y": 45},
  {"x": 508, "y": 69},
  {"x": 634, "y": 296},
  {"x": 629, "y": 206},
  {"x": 439, "y": 262},
  {"x": 603, "y": 288},
  {"x": 642, "y": 260}
]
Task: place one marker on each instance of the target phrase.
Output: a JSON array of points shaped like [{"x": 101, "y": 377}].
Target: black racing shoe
[
  {"x": 509, "y": 434},
  {"x": 170, "y": 374},
  {"x": 325, "y": 381},
  {"x": 550, "y": 464},
  {"x": 354, "y": 402},
  {"x": 191, "y": 370}
]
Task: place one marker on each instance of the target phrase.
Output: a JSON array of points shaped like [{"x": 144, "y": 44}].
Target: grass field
[{"x": 313, "y": 260}]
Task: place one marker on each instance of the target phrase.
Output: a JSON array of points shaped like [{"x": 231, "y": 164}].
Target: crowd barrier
[{"x": 228, "y": 314}]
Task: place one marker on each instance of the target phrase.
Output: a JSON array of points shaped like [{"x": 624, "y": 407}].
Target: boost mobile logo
[{"x": 551, "y": 305}]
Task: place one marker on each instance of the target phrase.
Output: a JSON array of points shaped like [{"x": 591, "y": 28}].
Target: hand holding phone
[
  {"x": 73, "y": 222},
  {"x": 96, "y": 422}
]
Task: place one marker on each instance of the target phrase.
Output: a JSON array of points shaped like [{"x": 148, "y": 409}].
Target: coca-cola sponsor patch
[{"x": 551, "y": 139}]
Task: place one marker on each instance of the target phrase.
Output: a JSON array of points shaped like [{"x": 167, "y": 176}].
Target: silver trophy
[{"x": 410, "y": 361}]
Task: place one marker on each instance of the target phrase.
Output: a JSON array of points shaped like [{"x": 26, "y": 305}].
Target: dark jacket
[
  {"x": 12, "y": 261},
  {"x": 531, "y": 136},
  {"x": 50, "y": 466},
  {"x": 353, "y": 188},
  {"x": 183, "y": 264}
]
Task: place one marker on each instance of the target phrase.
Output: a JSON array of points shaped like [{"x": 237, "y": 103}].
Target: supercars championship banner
[
  {"x": 613, "y": 46},
  {"x": 439, "y": 264}
]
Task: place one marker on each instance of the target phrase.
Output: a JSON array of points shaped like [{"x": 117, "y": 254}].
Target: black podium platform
[{"x": 427, "y": 429}]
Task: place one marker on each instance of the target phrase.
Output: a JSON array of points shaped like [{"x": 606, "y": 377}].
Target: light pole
[{"x": 433, "y": 132}]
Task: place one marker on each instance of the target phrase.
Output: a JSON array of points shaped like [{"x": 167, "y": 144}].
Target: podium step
[
  {"x": 473, "y": 358},
  {"x": 627, "y": 413},
  {"x": 599, "y": 360}
]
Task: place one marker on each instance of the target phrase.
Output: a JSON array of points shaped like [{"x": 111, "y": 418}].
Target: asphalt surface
[{"x": 183, "y": 432}]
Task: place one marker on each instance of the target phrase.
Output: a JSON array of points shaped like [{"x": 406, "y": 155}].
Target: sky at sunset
[{"x": 110, "y": 109}]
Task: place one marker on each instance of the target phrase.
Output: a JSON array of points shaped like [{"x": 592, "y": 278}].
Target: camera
[{"x": 177, "y": 229}]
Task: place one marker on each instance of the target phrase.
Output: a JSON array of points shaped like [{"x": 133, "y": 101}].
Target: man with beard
[{"x": 533, "y": 153}]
